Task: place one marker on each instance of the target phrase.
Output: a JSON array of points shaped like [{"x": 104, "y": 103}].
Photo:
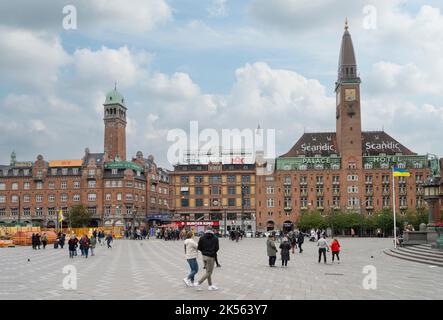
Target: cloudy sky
[{"x": 225, "y": 63}]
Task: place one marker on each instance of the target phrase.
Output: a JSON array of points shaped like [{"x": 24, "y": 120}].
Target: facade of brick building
[
  {"x": 348, "y": 169},
  {"x": 222, "y": 195},
  {"x": 115, "y": 191}
]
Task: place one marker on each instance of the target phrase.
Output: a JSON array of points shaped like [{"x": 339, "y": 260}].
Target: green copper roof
[{"x": 114, "y": 97}]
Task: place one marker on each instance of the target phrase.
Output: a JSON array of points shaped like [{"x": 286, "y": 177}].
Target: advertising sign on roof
[{"x": 65, "y": 163}]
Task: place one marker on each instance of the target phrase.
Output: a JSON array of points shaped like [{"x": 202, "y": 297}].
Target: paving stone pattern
[{"x": 154, "y": 269}]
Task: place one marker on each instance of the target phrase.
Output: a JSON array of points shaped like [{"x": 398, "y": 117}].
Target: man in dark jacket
[
  {"x": 208, "y": 245},
  {"x": 300, "y": 240}
]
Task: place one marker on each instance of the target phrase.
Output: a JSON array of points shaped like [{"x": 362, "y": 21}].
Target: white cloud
[
  {"x": 30, "y": 59},
  {"x": 37, "y": 126},
  {"x": 94, "y": 17},
  {"x": 218, "y": 8}
]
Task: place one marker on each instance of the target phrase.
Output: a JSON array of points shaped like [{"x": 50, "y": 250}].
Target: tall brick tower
[
  {"x": 347, "y": 88},
  {"x": 115, "y": 125}
]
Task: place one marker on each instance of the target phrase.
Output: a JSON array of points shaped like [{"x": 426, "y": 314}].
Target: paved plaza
[{"x": 154, "y": 269}]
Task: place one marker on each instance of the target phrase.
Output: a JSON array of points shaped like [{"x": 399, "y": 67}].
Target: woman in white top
[{"x": 191, "y": 256}]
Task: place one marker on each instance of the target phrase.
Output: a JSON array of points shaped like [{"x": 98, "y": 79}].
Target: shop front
[{"x": 198, "y": 226}]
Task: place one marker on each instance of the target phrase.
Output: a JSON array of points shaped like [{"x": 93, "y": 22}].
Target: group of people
[
  {"x": 293, "y": 240},
  {"x": 87, "y": 244},
  {"x": 208, "y": 245},
  {"x": 137, "y": 234},
  {"x": 37, "y": 241},
  {"x": 236, "y": 235}
]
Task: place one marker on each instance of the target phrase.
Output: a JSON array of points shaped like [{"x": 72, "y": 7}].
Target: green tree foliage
[{"x": 79, "y": 217}]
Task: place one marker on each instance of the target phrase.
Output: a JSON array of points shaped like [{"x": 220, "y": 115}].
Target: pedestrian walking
[
  {"x": 293, "y": 241},
  {"x": 62, "y": 240},
  {"x": 335, "y": 248},
  {"x": 191, "y": 253},
  {"x": 323, "y": 246},
  {"x": 271, "y": 250},
  {"x": 109, "y": 240},
  {"x": 92, "y": 244},
  {"x": 84, "y": 244},
  {"x": 300, "y": 240},
  {"x": 285, "y": 247},
  {"x": 208, "y": 245},
  {"x": 34, "y": 241},
  {"x": 38, "y": 241},
  {"x": 44, "y": 240},
  {"x": 72, "y": 246}
]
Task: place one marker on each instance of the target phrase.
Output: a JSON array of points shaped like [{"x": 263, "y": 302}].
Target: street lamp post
[
  {"x": 432, "y": 196},
  {"x": 134, "y": 212}
]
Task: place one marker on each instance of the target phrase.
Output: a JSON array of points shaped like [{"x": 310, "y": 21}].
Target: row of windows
[
  {"x": 231, "y": 202},
  {"x": 75, "y": 197},
  {"x": 352, "y": 202},
  {"x": 351, "y": 177},
  {"x": 215, "y": 190},
  {"x": 53, "y": 171},
  {"x": 215, "y": 179}
]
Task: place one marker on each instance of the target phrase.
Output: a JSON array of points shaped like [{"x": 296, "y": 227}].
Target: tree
[
  {"x": 79, "y": 217},
  {"x": 311, "y": 220}
]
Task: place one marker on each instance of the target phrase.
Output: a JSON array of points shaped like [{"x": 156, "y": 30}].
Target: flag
[
  {"x": 400, "y": 172},
  {"x": 61, "y": 216}
]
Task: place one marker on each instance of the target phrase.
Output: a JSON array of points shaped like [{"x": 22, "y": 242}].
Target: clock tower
[
  {"x": 348, "y": 115},
  {"x": 115, "y": 126}
]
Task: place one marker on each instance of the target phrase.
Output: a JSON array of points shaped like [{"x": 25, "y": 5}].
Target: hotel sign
[
  {"x": 23, "y": 164},
  {"x": 408, "y": 161},
  {"x": 66, "y": 163},
  {"x": 303, "y": 163},
  {"x": 123, "y": 165}
]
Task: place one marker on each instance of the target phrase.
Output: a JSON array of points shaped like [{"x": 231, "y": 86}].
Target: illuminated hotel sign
[
  {"x": 383, "y": 146},
  {"x": 307, "y": 147},
  {"x": 408, "y": 161},
  {"x": 123, "y": 165},
  {"x": 24, "y": 164},
  {"x": 66, "y": 163},
  {"x": 304, "y": 163}
]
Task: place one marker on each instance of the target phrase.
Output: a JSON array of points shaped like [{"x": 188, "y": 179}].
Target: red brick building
[
  {"x": 115, "y": 191},
  {"x": 348, "y": 169}
]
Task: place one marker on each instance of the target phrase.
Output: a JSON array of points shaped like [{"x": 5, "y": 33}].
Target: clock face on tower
[{"x": 349, "y": 94}]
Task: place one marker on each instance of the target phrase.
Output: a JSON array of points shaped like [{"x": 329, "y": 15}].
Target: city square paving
[{"x": 154, "y": 269}]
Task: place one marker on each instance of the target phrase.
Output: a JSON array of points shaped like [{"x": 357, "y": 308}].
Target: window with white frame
[
  {"x": 51, "y": 185},
  {"x": 270, "y": 203},
  {"x": 54, "y": 171},
  {"x": 64, "y": 185},
  {"x": 76, "y": 184},
  {"x": 129, "y": 184},
  {"x": 64, "y": 197},
  {"x": 114, "y": 171},
  {"x": 39, "y": 185},
  {"x": 352, "y": 189},
  {"x": 26, "y": 198},
  {"x": 119, "y": 197},
  {"x": 353, "y": 202},
  {"x": 108, "y": 197},
  {"x": 75, "y": 171},
  {"x": 51, "y": 198},
  {"x": 270, "y": 190},
  {"x": 2, "y": 186},
  {"x": 91, "y": 184},
  {"x": 39, "y": 198},
  {"x": 153, "y": 200},
  {"x": 26, "y": 186},
  {"x": 92, "y": 196},
  {"x": 152, "y": 188},
  {"x": 352, "y": 177},
  {"x": 14, "y": 186},
  {"x": 76, "y": 197},
  {"x": 129, "y": 197},
  {"x": 64, "y": 171},
  {"x": 2, "y": 199}
]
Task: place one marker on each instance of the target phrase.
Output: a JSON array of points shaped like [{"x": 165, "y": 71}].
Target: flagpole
[{"x": 395, "y": 222}]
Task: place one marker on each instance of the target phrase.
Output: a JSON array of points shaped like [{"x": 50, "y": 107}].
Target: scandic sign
[{"x": 66, "y": 163}]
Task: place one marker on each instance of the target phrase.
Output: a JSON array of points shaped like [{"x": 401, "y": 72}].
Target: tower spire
[
  {"x": 347, "y": 64},
  {"x": 115, "y": 85}
]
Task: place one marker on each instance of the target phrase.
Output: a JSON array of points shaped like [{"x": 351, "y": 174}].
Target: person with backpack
[
  {"x": 44, "y": 240},
  {"x": 208, "y": 245},
  {"x": 285, "y": 246},
  {"x": 335, "y": 248},
  {"x": 84, "y": 244},
  {"x": 72, "y": 246}
]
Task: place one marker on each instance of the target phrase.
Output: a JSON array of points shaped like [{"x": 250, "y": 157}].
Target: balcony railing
[{"x": 288, "y": 208}]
